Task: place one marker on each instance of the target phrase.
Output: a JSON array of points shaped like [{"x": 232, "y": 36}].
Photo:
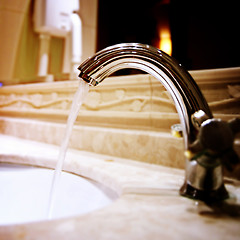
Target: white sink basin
[{"x": 24, "y": 194}]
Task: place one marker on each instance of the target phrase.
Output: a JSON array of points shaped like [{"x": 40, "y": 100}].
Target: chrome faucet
[{"x": 208, "y": 141}]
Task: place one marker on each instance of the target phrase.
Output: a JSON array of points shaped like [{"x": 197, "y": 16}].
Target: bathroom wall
[
  {"x": 12, "y": 14},
  {"x": 20, "y": 44}
]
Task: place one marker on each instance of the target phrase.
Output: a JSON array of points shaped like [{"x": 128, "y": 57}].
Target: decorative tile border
[{"x": 123, "y": 99}]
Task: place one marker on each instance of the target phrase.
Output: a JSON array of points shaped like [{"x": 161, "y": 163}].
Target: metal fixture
[{"x": 204, "y": 160}]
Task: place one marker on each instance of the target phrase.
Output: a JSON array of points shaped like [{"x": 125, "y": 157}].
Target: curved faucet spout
[
  {"x": 184, "y": 91},
  {"x": 204, "y": 160}
]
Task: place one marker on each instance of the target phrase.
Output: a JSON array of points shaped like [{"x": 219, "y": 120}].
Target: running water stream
[{"x": 78, "y": 99}]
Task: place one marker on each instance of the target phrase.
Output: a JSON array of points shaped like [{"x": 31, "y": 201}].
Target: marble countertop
[{"x": 148, "y": 207}]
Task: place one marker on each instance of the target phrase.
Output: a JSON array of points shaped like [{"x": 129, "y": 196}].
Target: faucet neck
[{"x": 178, "y": 82}]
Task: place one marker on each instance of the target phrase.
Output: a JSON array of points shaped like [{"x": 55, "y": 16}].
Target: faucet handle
[{"x": 215, "y": 140}]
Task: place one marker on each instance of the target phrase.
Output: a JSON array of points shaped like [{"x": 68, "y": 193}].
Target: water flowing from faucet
[{"x": 78, "y": 99}]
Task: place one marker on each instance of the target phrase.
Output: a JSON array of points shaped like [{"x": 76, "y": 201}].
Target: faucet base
[{"x": 207, "y": 196}]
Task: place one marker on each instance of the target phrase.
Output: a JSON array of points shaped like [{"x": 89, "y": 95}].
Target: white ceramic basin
[{"x": 24, "y": 194}]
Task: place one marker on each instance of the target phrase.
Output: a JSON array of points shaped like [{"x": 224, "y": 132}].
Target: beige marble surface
[
  {"x": 148, "y": 206},
  {"x": 145, "y": 146}
]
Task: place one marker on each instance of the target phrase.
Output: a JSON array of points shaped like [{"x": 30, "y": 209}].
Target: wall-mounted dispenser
[{"x": 58, "y": 19}]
